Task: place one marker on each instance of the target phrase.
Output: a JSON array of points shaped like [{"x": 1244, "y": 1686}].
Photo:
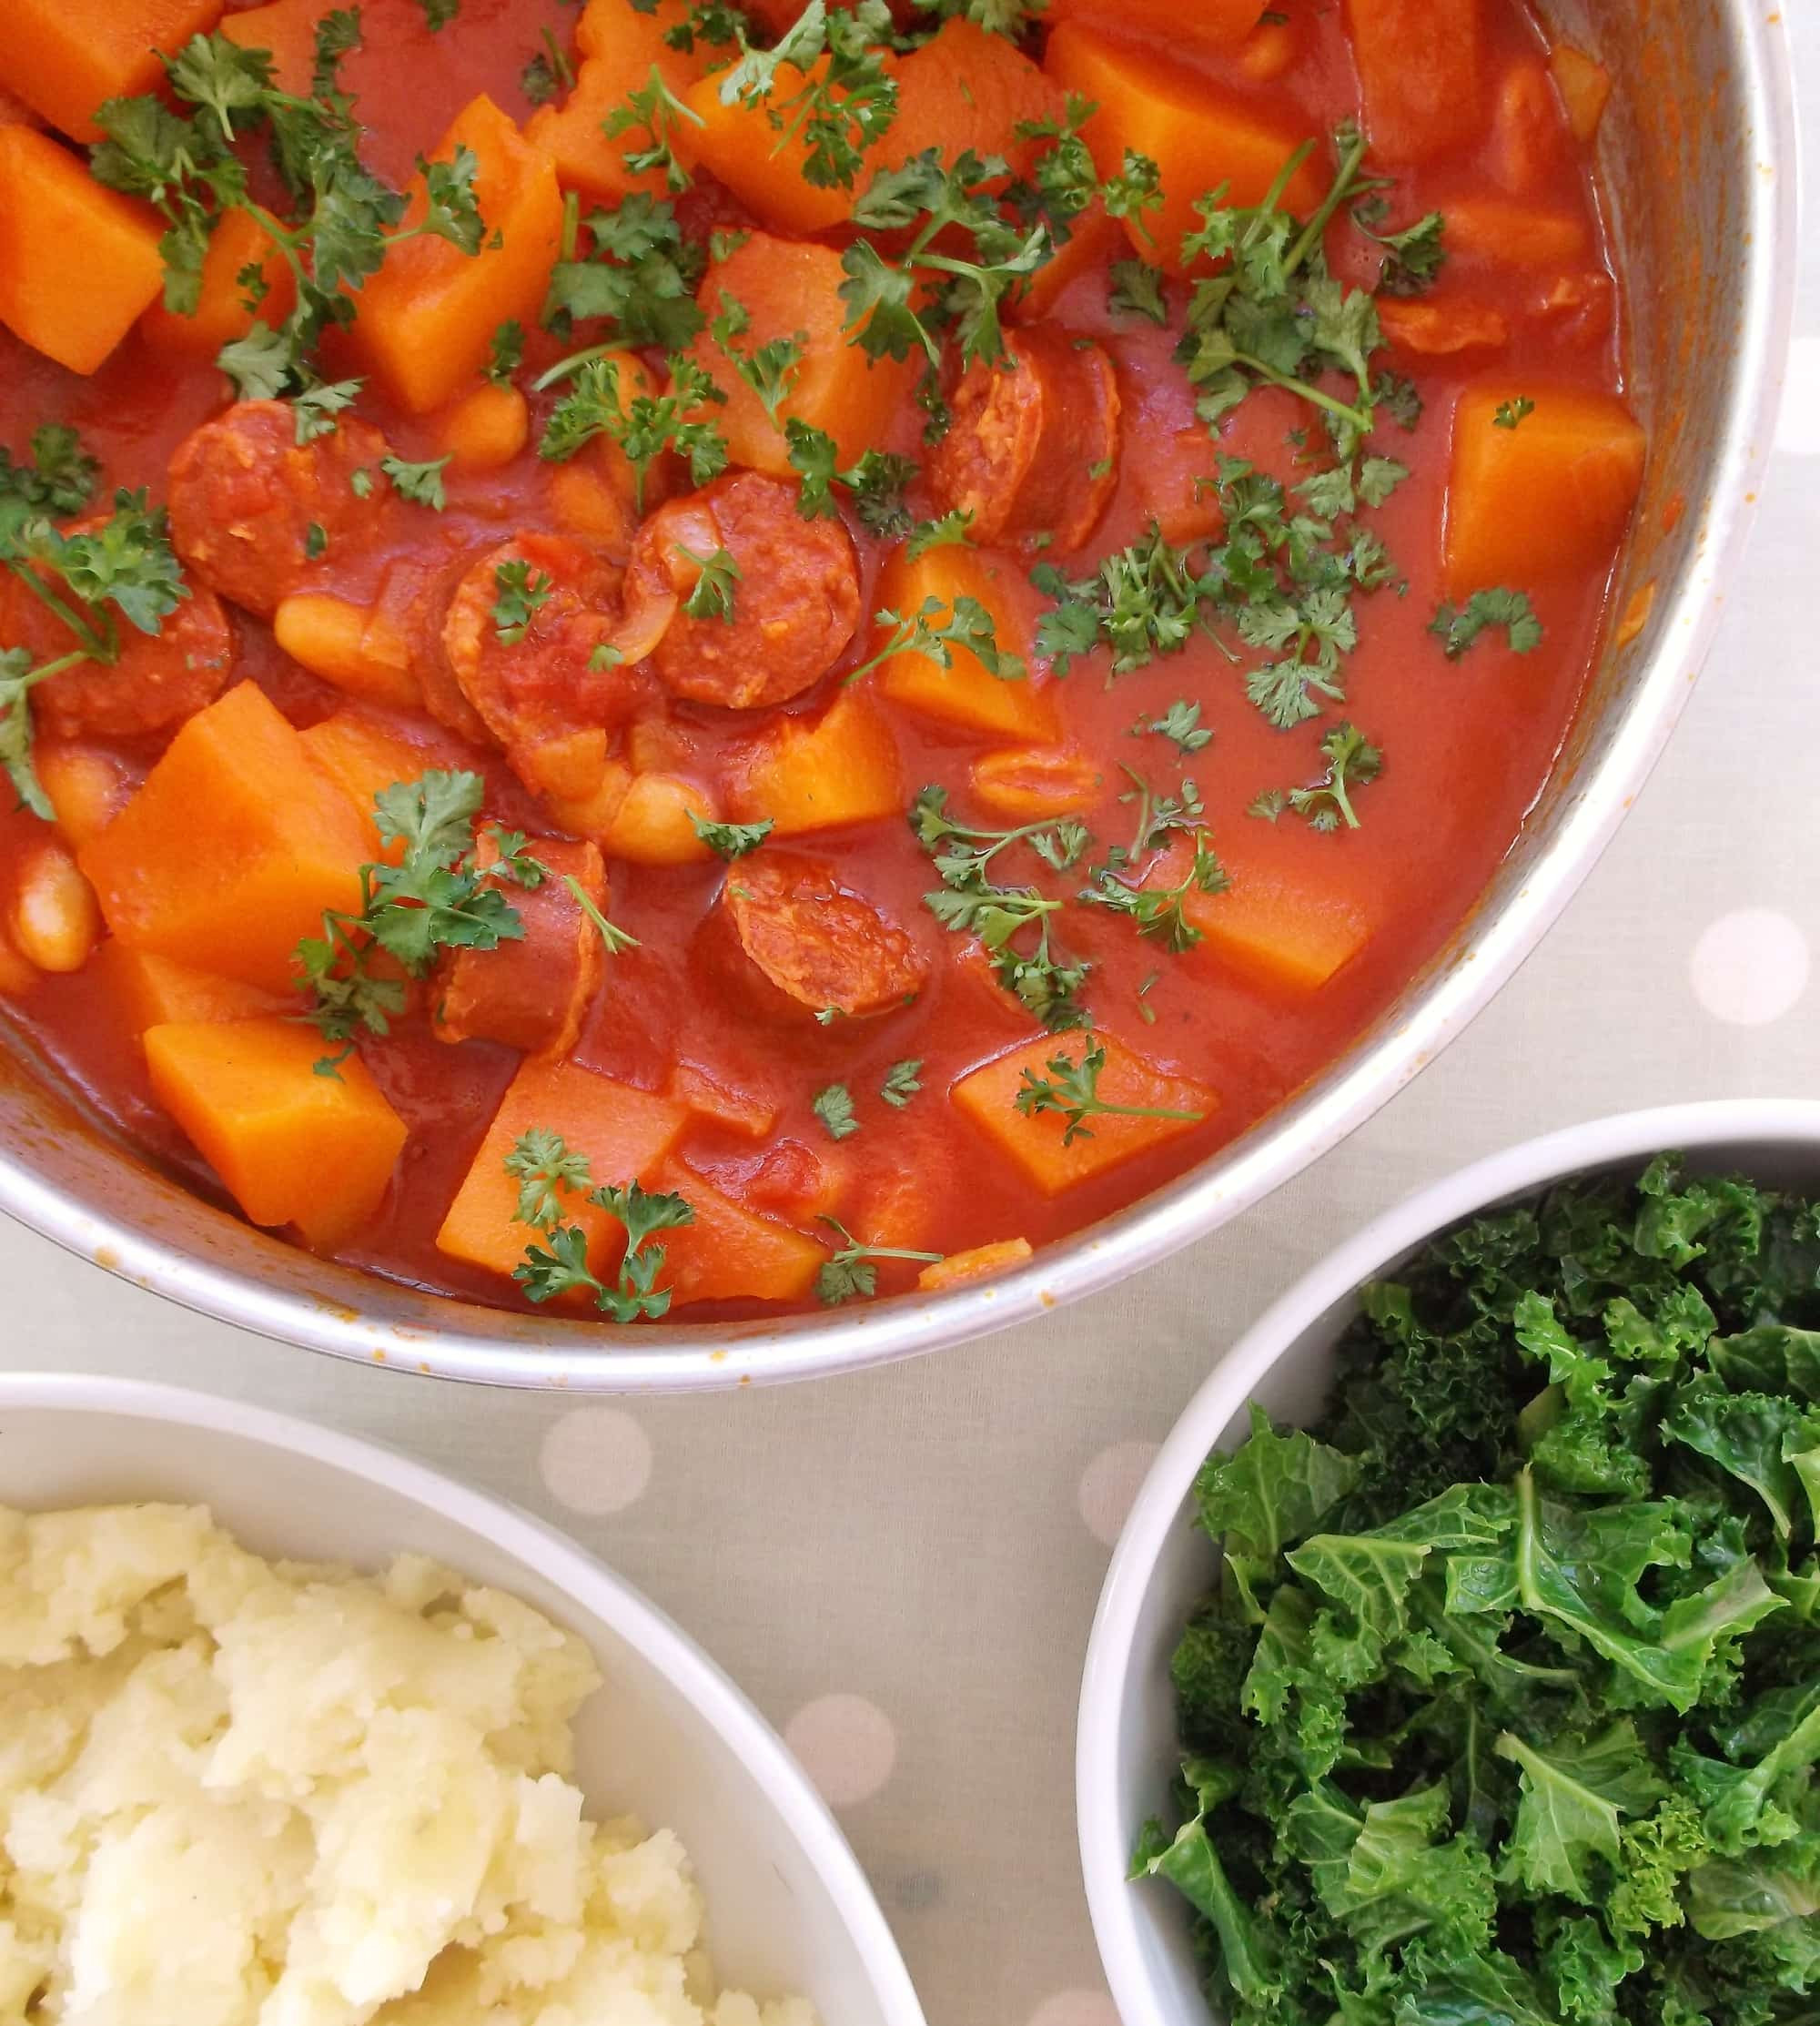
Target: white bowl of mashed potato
[{"x": 294, "y": 1732}]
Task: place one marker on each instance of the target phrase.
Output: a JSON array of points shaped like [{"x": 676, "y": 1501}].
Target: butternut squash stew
[{"x": 685, "y": 660}]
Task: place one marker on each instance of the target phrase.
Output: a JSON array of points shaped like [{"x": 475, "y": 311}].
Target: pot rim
[{"x": 483, "y": 1346}]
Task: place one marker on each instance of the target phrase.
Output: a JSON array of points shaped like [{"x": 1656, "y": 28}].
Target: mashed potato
[{"x": 235, "y": 1793}]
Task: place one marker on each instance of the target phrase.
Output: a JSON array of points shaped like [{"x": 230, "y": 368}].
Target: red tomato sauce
[{"x": 1468, "y": 744}]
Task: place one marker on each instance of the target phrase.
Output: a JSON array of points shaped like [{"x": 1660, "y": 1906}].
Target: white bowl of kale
[{"x": 1460, "y": 1663}]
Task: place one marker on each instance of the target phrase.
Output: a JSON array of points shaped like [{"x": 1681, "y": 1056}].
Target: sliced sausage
[
  {"x": 245, "y": 496},
  {"x": 796, "y": 601},
  {"x": 797, "y": 943},
  {"x": 160, "y": 680},
  {"x": 532, "y": 993},
  {"x": 1033, "y": 447},
  {"x": 551, "y": 682}
]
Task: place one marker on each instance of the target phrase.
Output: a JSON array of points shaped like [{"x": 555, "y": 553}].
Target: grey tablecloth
[{"x": 902, "y": 1567}]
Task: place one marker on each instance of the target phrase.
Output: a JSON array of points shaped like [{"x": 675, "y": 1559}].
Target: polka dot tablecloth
[{"x": 902, "y": 1567}]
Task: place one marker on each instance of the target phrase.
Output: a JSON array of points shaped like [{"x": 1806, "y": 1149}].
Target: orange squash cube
[
  {"x": 730, "y": 1254},
  {"x": 1516, "y": 233},
  {"x": 819, "y": 773},
  {"x": 64, "y": 57},
  {"x": 763, "y": 167},
  {"x": 292, "y": 1146},
  {"x": 791, "y": 291},
  {"x": 619, "y": 46},
  {"x": 1585, "y": 87},
  {"x": 979, "y": 1263},
  {"x": 1199, "y": 136},
  {"x": 364, "y": 758},
  {"x": 150, "y": 991},
  {"x": 968, "y": 694},
  {"x": 73, "y": 310},
  {"x": 965, "y": 88},
  {"x": 286, "y": 30},
  {"x": 1546, "y": 499},
  {"x": 1271, "y": 924},
  {"x": 237, "y": 242},
  {"x": 1034, "y": 1141},
  {"x": 711, "y": 1096},
  {"x": 232, "y": 849},
  {"x": 623, "y": 1131},
  {"x": 1218, "y": 24},
  {"x": 1420, "y": 72},
  {"x": 427, "y": 319}
]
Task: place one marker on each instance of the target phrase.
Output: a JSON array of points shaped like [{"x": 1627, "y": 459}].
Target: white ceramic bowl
[
  {"x": 669, "y": 1738},
  {"x": 1125, "y": 1749}
]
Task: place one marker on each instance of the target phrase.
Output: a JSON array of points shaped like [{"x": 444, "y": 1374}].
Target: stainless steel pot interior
[{"x": 1699, "y": 159}]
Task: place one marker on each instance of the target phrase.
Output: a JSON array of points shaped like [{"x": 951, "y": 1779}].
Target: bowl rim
[
  {"x": 467, "y": 1342},
  {"x": 1106, "y": 1678},
  {"x": 691, "y": 1672}
]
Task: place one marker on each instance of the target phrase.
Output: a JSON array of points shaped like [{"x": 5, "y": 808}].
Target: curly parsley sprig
[
  {"x": 548, "y": 1171},
  {"x": 1072, "y": 1089},
  {"x": 438, "y": 897}
]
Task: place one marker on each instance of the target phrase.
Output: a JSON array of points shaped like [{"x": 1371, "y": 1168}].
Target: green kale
[{"x": 1507, "y": 1706}]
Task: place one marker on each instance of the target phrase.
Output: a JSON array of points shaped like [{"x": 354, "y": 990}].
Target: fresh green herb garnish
[
  {"x": 1352, "y": 761},
  {"x": 1458, "y": 628},
  {"x": 523, "y": 592},
  {"x": 876, "y": 481},
  {"x": 420, "y": 483},
  {"x": 1512, "y": 414},
  {"x": 1180, "y": 725},
  {"x": 889, "y": 312},
  {"x": 438, "y": 13},
  {"x": 548, "y": 72},
  {"x": 853, "y": 1270},
  {"x": 1136, "y": 290},
  {"x": 834, "y": 1108},
  {"x": 968, "y": 903},
  {"x": 769, "y": 369},
  {"x": 838, "y": 110},
  {"x": 342, "y": 223},
  {"x": 1414, "y": 257},
  {"x": 337, "y": 34},
  {"x": 1158, "y": 911},
  {"x": 645, "y": 427},
  {"x": 716, "y": 588},
  {"x": 438, "y": 897},
  {"x": 731, "y": 840},
  {"x": 901, "y": 1083},
  {"x": 640, "y": 277},
  {"x": 125, "y": 569},
  {"x": 616, "y": 938},
  {"x": 1505, "y": 1707},
  {"x": 506, "y": 353},
  {"x": 968, "y": 624},
  {"x": 314, "y": 408},
  {"x": 654, "y": 110},
  {"x": 1072, "y": 1089},
  {"x": 547, "y": 1172},
  {"x": 949, "y": 532}
]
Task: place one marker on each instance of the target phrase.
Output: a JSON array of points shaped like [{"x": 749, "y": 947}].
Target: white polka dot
[
  {"x": 1798, "y": 431},
  {"x": 595, "y": 1460},
  {"x": 1108, "y": 1486},
  {"x": 1750, "y": 967},
  {"x": 1075, "y": 2008},
  {"x": 846, "y": 1745}
]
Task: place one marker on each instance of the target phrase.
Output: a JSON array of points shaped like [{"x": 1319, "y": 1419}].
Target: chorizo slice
[
  {"x": 796, "y": 601},
  {"x": 248, "y": 500},
  {"x": 160, "y": 680},
  {"x": 797, "y": 943},
  {"x": 531, "y": 643},
  {"x": 532, "y": 994},
  {"x": 1033, "y": 447}
]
